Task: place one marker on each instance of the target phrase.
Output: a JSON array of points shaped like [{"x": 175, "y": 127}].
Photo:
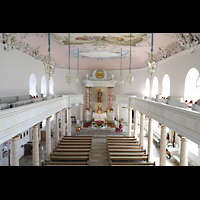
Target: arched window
[
  {"x": 155, "y": 87},
  {"x": 166, "y": 86},
  {"x": 147, "y": 88},
  {"x": 51, "y": 86},
  {"x": 191, "y": 81},
  {"x": 32, "y": 85},
  {"x": 44, "y": 86}
]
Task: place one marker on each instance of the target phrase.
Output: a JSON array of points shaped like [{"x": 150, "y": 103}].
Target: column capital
[
  {"x": 49, "y": 117},
  {"x": 69, "y": 108},
  {"x": 184, "y": 139},
  {"x": 130, "y": 108},
  {"x": 15, "y": 137},
  {"x": 36, "y": 125},
  {"x": 162, "y": 125},
  {"x": 149, "y": 117}
]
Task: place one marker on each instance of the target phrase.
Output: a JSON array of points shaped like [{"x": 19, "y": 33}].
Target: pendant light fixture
[
  {"x": 152, "y": 65},
  {"x": 69, "y": 76},
  {"x": 121, "y": 81},
  {"x": 130, "y": 76},
  {"x": 48, "y": 61},
  {"x": 77, "y": 77}
]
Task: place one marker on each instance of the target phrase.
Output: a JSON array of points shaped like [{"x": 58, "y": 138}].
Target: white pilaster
[
  {"x": 135, "y": 123},
  {"x": 48, "y": 138},
  {"x": 15, "y": 151},
  {"x": 81, "y": 112},
  {"x": 69, "y": 121},
  {"x": 117, "y": 111},
  {"x": 150, "y": 139},
  {"x": 129, "y": 121},
  {"x": 56, "y": 128},
  {"x": 184, "y": 152},
  {"x": 163, "y": 146},
  {"x": 35, "y": 146},
  {"x": 63, "y": 123},
  {"x": 141, "y": 129}
]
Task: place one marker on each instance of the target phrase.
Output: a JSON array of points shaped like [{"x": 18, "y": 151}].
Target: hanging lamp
[
  {"x": 121, "y": 81},
  {"x": 78, "y": 76},
  {"x": 152, "y": 65},
  {"x": 130, "y": 76},
  {"x": 69, "y": 76},
  {"x": 48, "y": 61}
]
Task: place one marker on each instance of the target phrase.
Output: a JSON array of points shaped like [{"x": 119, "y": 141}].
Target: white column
[
  {"x": 81, "y": 112},
  {"x": 35, "y": 146},
  {"x": 150, "y": 139},
  {"x": 15, "y": 151},
  {"x": 184, "y": 152},
  {"x": 163, "y": 146},
  {"x": 129, "y": 121},
  {"x": 63, "y": 123},
  {"x": 48, "y": 138},
  {"x": 141, "y": 129},
  {"x": 135, "y": 123},
  {"x": 56, "y": 128},
  {"x": 117, "y": 112},
  {"x": 69, "y": 121}
]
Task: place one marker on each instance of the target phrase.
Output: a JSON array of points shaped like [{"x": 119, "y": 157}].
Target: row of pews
[
  {"x": 126, "y": 151},
  {"x": 71, "y": 151}
]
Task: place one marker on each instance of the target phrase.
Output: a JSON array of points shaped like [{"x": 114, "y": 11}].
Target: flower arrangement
[{"x": 77, "y": 128}]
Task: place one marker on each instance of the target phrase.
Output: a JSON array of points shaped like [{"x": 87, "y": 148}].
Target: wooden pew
[
  {"x": 132, "y": 157},
  {"x": 63, "y": 158},
  {"x": 70, "y": 150},
  {"x": 123, "y": 144},
  {"x": 126, "y": 150},
  {"x": 132, "y": 163},
  {"x": 120, "y": 137},
  {"x": 49, "y": 163}
]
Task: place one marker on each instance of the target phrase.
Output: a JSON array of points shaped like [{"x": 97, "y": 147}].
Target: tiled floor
[{"x": 98, "y": 152}]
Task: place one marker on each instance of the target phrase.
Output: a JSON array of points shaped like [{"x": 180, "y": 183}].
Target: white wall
[{"x": 16, "y": 68}]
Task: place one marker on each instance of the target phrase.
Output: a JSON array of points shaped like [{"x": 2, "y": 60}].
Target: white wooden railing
[
  {"x": 16, "y": 120},
  {"x": 183, "y": 121}
]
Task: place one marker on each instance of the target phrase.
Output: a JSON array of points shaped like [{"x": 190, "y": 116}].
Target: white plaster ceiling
[{"x": 98, "y": 50}]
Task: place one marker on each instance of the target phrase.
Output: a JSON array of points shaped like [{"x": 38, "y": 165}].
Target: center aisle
[{"x": 98, "y": 154}]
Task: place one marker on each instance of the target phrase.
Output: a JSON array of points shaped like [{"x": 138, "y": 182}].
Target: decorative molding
[
  {"x": 18, "y": 119},
  {"x": 183, "y": 121}
]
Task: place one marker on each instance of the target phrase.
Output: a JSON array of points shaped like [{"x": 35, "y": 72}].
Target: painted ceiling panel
[{"x": 98, "y": 50}]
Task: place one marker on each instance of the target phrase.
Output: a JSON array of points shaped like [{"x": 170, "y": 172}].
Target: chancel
[{"x": 99, "y": 99}]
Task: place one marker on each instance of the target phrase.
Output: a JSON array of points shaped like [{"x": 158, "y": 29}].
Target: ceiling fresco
[{"x": 98, "y": 50}]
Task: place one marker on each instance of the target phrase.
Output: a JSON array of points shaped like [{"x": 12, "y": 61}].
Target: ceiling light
[
  {"x": 121, "y": 81},
  {"x": 130, "y": 76},
  {"x": 48, "y": 61},
  {"x": 69, "y": 76},
  {"x": 152, "y": 65}
]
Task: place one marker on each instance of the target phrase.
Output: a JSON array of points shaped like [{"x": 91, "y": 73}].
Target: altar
[
  {"x": 99, "y": 97},
  {"x": 101, "y": 116}
]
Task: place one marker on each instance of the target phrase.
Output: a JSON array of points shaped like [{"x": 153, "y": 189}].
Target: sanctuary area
[{"x": 99, "y": 99}]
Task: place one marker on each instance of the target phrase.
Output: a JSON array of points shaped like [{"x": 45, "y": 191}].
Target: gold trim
[{"x": 99, "y": 74}]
